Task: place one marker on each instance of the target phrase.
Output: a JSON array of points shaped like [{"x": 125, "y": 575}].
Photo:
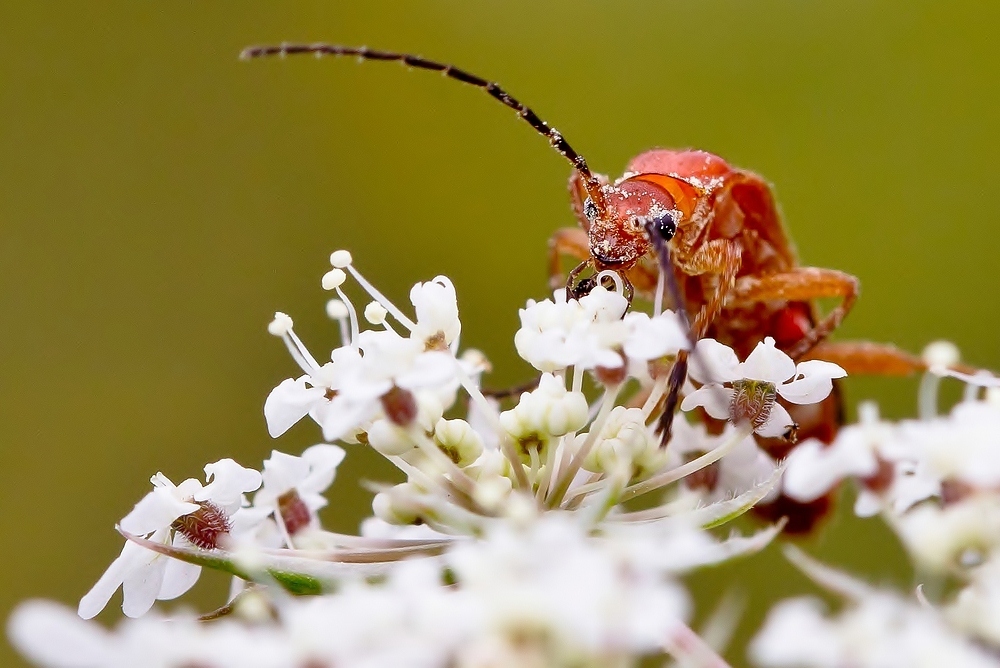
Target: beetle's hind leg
[{"x": 802, "y": 284}]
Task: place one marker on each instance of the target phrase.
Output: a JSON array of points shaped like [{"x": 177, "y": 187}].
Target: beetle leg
[
  {"x": 802, "y": 284},
  {"x": 722, "y": 258},
  {"x": 867, "y": 358},
  {"x": 571, "y": 241}
]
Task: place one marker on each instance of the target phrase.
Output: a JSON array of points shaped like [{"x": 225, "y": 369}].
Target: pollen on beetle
[{"x": 204, "y": 527}]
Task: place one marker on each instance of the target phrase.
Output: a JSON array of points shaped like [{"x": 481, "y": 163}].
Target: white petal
[
  {"x": 229, "y": 481},
  {"x": 429, "y": 369},
  {"x": 49, "y": 634},
  {"x": 323, "y": 461},
  {"x": 777, "y": 422},
  {"x": 97, "y": 598},
  {"x": 339, "y": 418},
  {"x": 768, "y": 363},
  {"x": 282, "y": 472},
  {"x": 653, "y": 338},
  {"x": 288, "y": 403},
  {"x": 156, "y": 511},
  {"x": 868, "y": 504},
  {"x": 814, "y": 468},
  {"x": 713, "y": 362},
  {"x": 815, "y": 384},
  {"x": 178, "y": 576},
  {"x": 715, "y": 399},
  {"x": 142, "y": 584},
  {"x": 437, "y": 309},
  {"x": 796, "y": 634}
]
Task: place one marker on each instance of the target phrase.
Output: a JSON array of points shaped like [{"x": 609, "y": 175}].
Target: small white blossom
[
  {"x": 436, "y": 306},
  {"x": 878, "y": 631},
  {"x": 146, "y": 576},
  {"x": 558, "y": 333},
  {"x": 293, "y": 486},
  {"x": 549, "y": 410},
  {"x": 755, "y": 384}
]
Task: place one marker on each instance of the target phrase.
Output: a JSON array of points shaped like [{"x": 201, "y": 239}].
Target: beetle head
[{"x": 619, "y": 222}]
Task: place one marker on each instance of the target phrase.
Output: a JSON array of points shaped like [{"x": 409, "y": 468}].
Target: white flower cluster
[
  {"x": 546, "y": 529},
  {"x": 936, "y": 482}
]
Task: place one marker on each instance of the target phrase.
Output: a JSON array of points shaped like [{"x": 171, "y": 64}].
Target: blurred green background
[{"x": 160, "y": 199}]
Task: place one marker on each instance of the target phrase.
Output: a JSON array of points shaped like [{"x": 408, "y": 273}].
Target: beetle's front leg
[
  {"x": 719, "y": 257},
  {"x": 571, "y": 241}
]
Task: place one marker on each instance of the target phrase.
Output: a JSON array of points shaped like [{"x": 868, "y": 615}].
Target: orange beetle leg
[
  {"x": 722, "y": 258},
  {"x": 802, "y": 284},
  {"x": 571, "y": 241},
  {"x": 867, "y": 358}
]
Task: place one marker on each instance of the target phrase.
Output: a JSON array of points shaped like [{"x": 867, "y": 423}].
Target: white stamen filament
[
  {"x": 659, "y": 387},
  {"x": 352, "y": 316},
  {"x": 568, "y": 472},
  {"x": 380, "y": 298},
  {"x": 927, "y": 395},
  {"x": 337, "y": 310},
  {"x": 299, "y": 353},
  {"x": 675, "y": 474},
  {"x": 457, "y": 476},
  {"x": 283, "y": 529},
  {"x": 613, "y": 275},
  {"x": 550, "y": 465}
]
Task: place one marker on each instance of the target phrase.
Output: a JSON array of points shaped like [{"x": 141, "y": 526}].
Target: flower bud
[{"x": 458, "y": 440}]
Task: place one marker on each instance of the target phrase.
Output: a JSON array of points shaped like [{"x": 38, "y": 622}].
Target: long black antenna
[{"x": 554, "y": 137}]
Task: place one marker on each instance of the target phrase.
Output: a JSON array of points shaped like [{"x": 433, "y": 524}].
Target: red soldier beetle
[{"x": 715, "y": 233}]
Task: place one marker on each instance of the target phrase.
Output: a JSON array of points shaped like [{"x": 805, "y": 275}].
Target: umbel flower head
[{"x": 545, "y": 529}]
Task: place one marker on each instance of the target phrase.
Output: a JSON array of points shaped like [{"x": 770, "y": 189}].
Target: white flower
[
  {"x": 310, "y": 394},
  {"x": 651, "y": 338},
  {"x": 549, "y": 410},
  {"x": 755, "y": 384},
  {"x": 184, "y": 514},
  {"x": 436, "y": 306},
  {"x": 963, "y": 446},
  {"x": 293, "y": 486},
  {"x": 961, "y": 534},
  {"x": 878, "y": 631},
  {"x": 624, "y": 441},
  {"x": 559, "y": 333},
  {"x": 551, "y": 580}
]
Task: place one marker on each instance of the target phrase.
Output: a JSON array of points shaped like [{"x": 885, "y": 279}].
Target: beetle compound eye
[
  {"x": 665, "y": 225},
  {"x": 590, "y": 209}
]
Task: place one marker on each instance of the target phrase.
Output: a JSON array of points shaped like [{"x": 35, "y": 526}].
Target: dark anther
[
  {"x": 581, "y": 289},
  {"x": 664, "y": 224}
]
